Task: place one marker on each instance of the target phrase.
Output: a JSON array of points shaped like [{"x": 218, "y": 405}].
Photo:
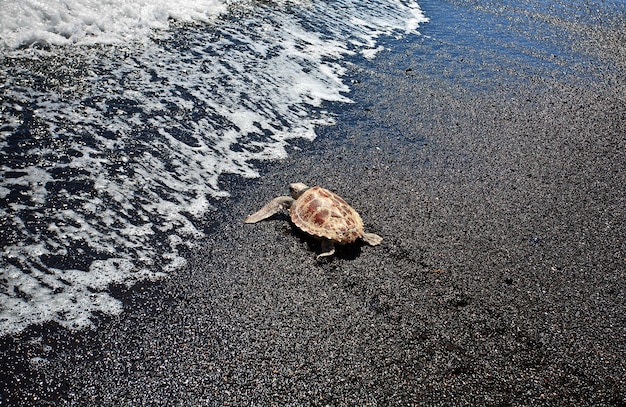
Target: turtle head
[{"x": 297, "y": 189}]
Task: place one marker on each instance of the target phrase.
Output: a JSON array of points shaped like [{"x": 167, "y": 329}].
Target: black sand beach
[{"x": 490, "y": 153}]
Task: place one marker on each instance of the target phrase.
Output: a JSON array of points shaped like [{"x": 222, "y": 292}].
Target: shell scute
[{"x": 323, "y": 213}]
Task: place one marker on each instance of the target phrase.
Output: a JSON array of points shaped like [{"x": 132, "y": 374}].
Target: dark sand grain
[{"x": 490, "y": 153}]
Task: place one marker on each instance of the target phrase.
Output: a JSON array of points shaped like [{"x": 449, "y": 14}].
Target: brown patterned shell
[{"x": 323, "y": 213}]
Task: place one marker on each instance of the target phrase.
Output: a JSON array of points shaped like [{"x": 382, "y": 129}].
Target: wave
[
  {"x": 62, "y": 22},
  {"x": 111, "y": 152}
]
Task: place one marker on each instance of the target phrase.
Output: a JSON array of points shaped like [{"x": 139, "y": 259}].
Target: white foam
[
  {"x": 62, "y": 22},
  {"x": 126, "y": 156},
  {"x": 68, "y": 297}
]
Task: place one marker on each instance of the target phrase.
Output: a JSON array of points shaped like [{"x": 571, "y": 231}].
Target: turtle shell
[{"x": 323, "y": 213}]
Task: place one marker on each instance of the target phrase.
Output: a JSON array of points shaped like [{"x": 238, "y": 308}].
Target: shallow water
[{"x": 114, "y": 133}]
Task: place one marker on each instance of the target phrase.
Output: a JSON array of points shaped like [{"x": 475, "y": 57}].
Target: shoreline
[{"x": 498, "y": 189}]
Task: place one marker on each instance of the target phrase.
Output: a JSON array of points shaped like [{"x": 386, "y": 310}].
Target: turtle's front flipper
[
  {"x": 328, "y": 249},
  {"x": 272, "y": 207}
]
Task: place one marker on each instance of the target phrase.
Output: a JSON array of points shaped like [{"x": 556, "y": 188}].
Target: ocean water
[{"x": 118, "y": 116}]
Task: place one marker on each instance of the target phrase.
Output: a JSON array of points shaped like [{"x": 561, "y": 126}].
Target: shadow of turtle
[{"x": 344, "y": 252}]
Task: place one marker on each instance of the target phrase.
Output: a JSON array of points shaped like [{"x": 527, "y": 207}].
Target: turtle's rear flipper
[
  {"x": 372, "y": 239},
  {"x": 272, "y": 207},
  {"x": 328, "y": 249}
]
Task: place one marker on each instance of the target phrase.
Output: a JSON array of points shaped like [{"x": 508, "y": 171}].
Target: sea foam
[
  {"x": 119, "y": 118},
  {"x": 62, "y": 22}
]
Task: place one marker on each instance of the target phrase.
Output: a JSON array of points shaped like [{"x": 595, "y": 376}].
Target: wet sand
[{"x": 495, "y": 170}]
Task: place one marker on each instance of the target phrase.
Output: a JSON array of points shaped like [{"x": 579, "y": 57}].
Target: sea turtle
[{"x": 321, "y": 213}]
